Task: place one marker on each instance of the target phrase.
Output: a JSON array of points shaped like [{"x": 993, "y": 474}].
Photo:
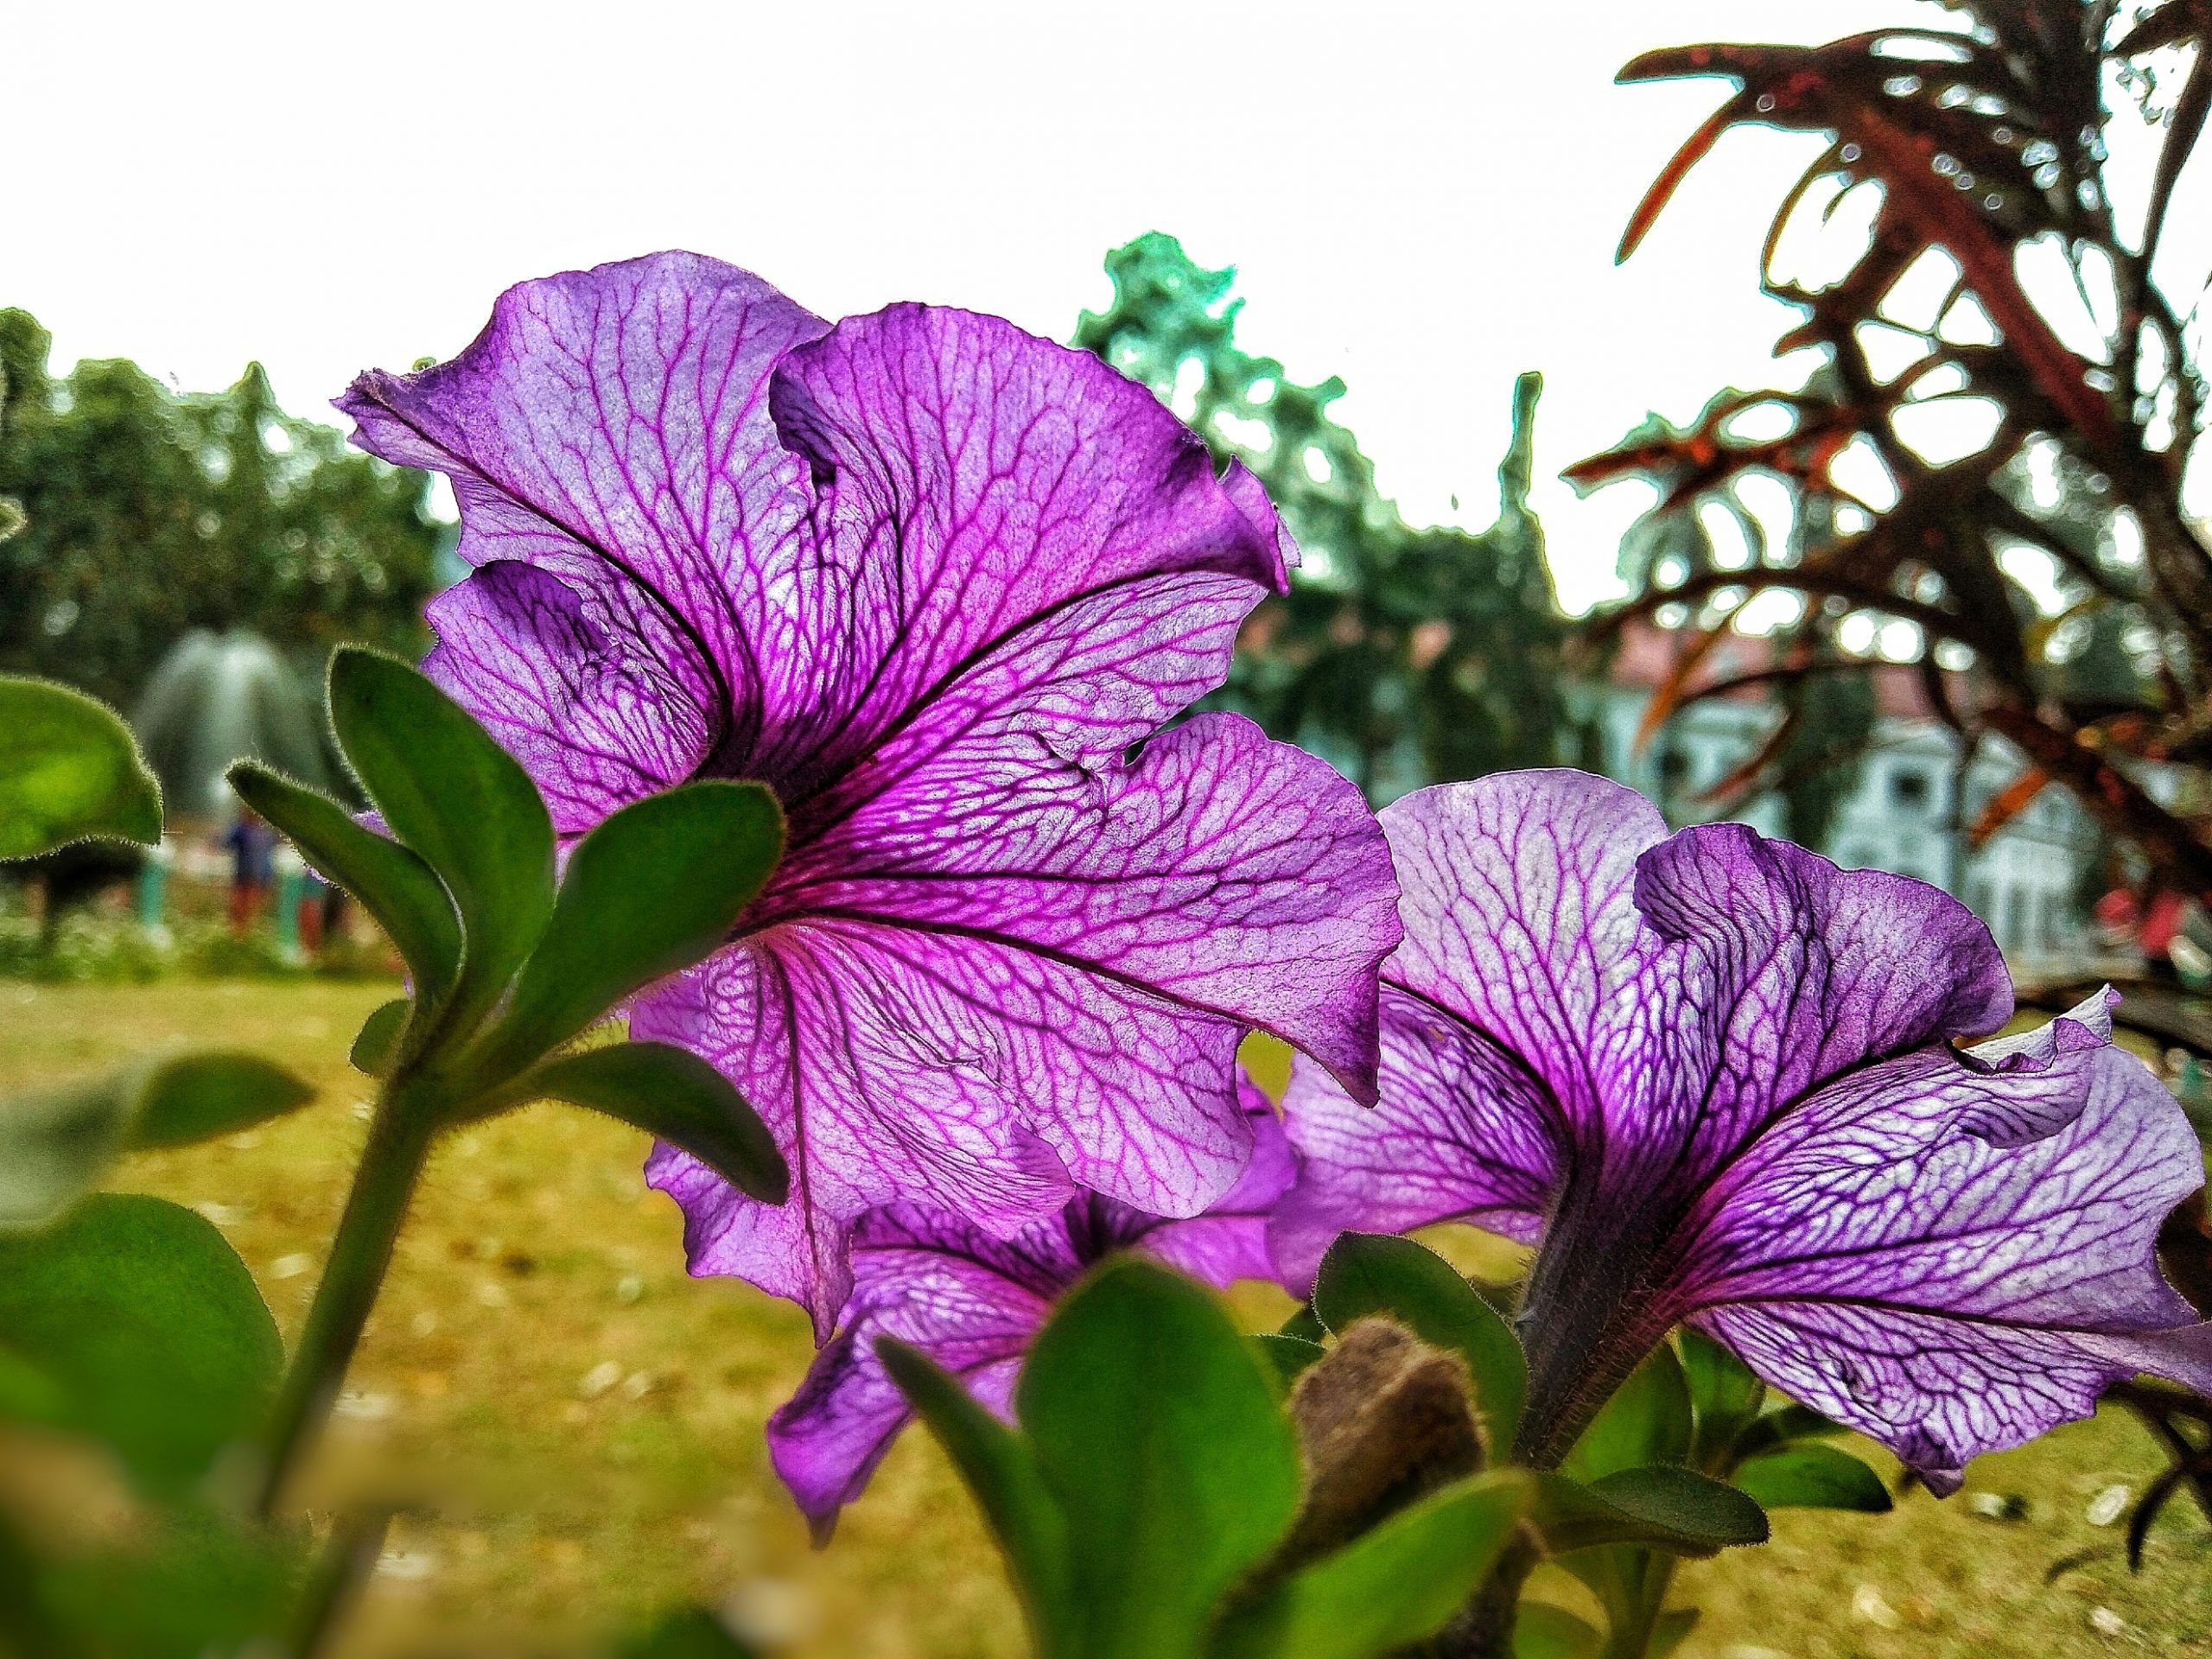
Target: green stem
[
  {"x": 1483, "y": 1628},
  {"x": 1629, "y": 1635},
  {"x": 398, "y": 1145},
  {"x": 335, "y": 1580}
]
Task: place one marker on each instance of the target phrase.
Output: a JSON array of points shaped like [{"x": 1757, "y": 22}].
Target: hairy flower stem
[
  {"x": 1587, "y": 1318},
  {"x": 1585, "y": 1323},
  {"x": 407, "y": 1117}
]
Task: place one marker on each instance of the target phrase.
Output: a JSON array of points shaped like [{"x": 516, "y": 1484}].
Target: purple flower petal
[
  {"x": 1521, "y": 922},
  {"x": 939, "y": 584},
  {"x": 1230, "y": 1240},
  {"x": 1884, "y": 1262},
  {"x": 890, "y": 1061},
  {"x": 597, "y": 725},
  {"x": 1461, "y": 1132},
  {"x": 610, "y": 428},
  {"x": 1791, "y": 972},
  {"x": 973, "y": 1303},
  {"x": 1713, "y": 1073}
]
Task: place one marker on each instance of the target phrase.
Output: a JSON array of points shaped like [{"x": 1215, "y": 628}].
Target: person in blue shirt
[{"x": 252, "y": 846}]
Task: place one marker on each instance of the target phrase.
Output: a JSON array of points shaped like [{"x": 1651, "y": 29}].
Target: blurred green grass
[{"x": 579, "y": 1423}]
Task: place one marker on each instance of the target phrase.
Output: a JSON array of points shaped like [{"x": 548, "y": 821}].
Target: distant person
[
  {"x": 252, "y": 846},
  {"x": 312, "y": 896}
]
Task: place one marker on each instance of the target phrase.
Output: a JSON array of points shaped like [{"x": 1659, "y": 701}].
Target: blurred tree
[
  {"x": 145, "y": 515},
  {"x": 1816, "y": 753},
  {"x": 1966, "y": 435},
  {"x": 1405, "y": 656}
]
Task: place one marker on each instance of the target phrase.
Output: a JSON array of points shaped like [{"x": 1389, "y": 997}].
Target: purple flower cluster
[
  {"x": 940, "y": 585},
  {"x": 945, "y": 588},
  {"x": 1711, "y": 1077}
]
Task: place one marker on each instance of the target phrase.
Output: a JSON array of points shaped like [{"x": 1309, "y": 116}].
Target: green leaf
[
  {"x": 1304, "y": 1323},
  {"x": 686, "y": 1633},
  {"x": 188, "y": 1582},
  {"x": 460, "y": 801},
  {"x": 1400, "y": 1582},
  {"x": 378, "y": 1041},
  {"x": 55, "y": 1143},
  {"x": 1646, "y": 1422},
  {"x": 1670, "y": 1630},
  {"x": 152, "y": 1327},
  {"x": 393, "y": 883},
  {"x": 1810, "y": 1476},
  {"x": 1541, "y": 1631},
  {"x": 653, "y": 888},
  {"x": 1678, "y": 1510},
  {"x": 198, "y": 1097},
  {"x": 1290, "y": 1355},
  {"x": 1771, "y": 1430},
  {"x": 1157, "y": 1427},
  {"x": 1002, "y": 1470},
  {"x": 69, "y": 769},
  {"x": 671, "y": 1093},
  {"x": 1724, "y": 1393},
  {"x": 27, "y": 1629},
  {"x": 1624, "y": 1578},
  {"x": 1366, "y": 1273},
  {"x": 28, "y": 1394}
]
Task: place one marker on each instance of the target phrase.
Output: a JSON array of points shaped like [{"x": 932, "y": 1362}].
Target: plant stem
[
  {"x": 1483, "y": 1628},
  {"x": 399, "y": 1143},
  {"x": 335, "y": 1580},
  {"x": 1588, "y": 1317}
]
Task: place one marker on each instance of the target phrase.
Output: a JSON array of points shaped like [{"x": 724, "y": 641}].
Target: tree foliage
[
  {"x": 145, "y": 514},
  {"x": 1407, "y": 656},
  {"x": 1980, "y": 153}
]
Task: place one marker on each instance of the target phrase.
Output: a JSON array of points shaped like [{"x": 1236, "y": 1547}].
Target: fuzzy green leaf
[
  {"x": 1810, "y": 1476},
  {"x": 55, "y": 1143},
  {"x": 151, "y": 1326},
  {"x": 670, "y": 1093},
  {"x": 392, "y": 882},
  {"x": 1399, "y": 1583},
  {"x": 1366, "y": 1273},
  {"x": 1648, "y": 1421},
  {"x": 1156, "y": 1426},
  {"x": 378, "y": 1041},
  {"x": 69, "y": 768},
  {"x": 653, "y": 888},
  {"x": 1678, "y": 1510},
  {"x": 461, "y": 802},
  {"x": 1000, "y": 1470}
]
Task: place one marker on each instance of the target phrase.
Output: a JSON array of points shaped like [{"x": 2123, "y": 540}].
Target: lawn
[{"x": 578, "y": 1424}]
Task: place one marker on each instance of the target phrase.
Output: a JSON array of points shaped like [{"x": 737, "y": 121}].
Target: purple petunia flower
[
  {"x": 973, "y": 1303},
  {"x": 1712, "y": 1075},
  {"x": 939, "y": 584}
]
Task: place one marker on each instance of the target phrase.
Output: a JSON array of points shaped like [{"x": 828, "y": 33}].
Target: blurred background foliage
[
  {"x": 1405, "y": 656},
  {"x": 1997, "y": 470},
  {"x": 145, "y": 513}
]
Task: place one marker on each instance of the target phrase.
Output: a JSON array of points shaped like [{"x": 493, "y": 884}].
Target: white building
[{"x": 1906, "y": 814}]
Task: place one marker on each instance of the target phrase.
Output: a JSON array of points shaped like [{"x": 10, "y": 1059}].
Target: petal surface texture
[
  {"x": 941, "y": 585},
  {"x": 1714, "y": 1077},
  {"x": 973, "y": 1303}
]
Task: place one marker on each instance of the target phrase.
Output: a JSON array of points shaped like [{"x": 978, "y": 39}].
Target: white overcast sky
[{"x": 1421, "y": 198}]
